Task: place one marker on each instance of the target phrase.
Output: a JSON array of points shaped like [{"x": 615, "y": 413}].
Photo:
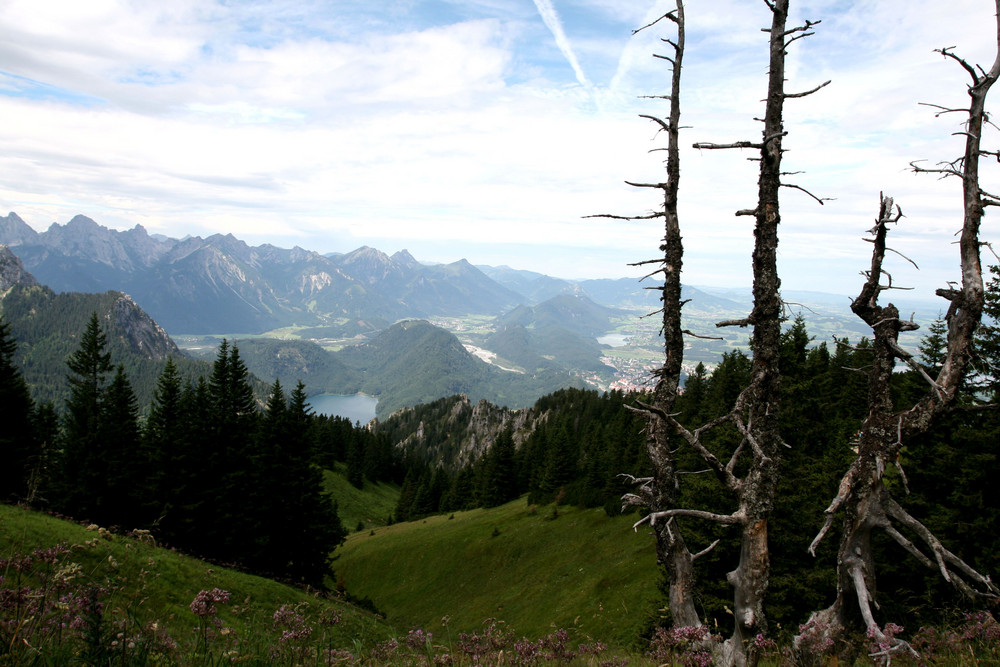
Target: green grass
[
  {"x": 371, "y": 505},
  {"x": 582, "y": 571},
  {"x": 141, "y": 584}
]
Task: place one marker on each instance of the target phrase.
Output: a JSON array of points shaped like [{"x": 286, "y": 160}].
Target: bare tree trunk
[
  {"x": 866, "y": 501},
  {"x": 756, "y": 410},
  {"x": 755, "y": 413},
  {"x": 671, "y": 549},
  {"x": 659, "y": 492}
]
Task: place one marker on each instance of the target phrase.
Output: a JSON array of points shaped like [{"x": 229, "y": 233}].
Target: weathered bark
[
  {"x": 863, "y": 495},
  {"x": 755, "y": 412},
  {"x": 660, "y": 492},
  {"x": 756, "y": 493}
]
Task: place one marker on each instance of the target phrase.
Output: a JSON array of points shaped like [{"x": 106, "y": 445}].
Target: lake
[
  {"x": 614, "y": 340},
  {"x": 356, "y": 407}
]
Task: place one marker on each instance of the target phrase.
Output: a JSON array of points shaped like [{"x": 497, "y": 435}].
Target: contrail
[
  {"x": 551, "y": 19},
  {"x": 636, "y": 49}
]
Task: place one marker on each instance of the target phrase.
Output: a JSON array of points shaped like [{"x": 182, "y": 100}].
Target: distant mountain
[
  {"x": 222, "y": 285},
  {"x": 415, "y": 362},
  {"x": 290, "y": 361},
  {"x": 47, "y": 327},
  {"x": 559, "y": 333},
  {"x": 15, "y": 231},
  {"x": 408, "y": 363},
  {"x": 533, "y": 287},
  {"x": 630, "y": 293}
]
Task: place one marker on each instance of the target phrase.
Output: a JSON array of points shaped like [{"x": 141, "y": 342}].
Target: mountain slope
[
  {"x": 47, "y": 326},
  {"x": 558, "y": 333},
  {"x": 415, "y": 362},
  {"x": 140, "y": 584},
  {"x": 290, "y": 361}
]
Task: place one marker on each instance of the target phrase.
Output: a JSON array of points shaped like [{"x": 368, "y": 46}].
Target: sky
[{"x": 489, "y": 129}]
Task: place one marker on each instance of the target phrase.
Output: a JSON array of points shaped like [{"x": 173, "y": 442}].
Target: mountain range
[
  {"x": 538, "y": 332},
  {"x": 220, "y": 284},
  {"x": 409, "y": 362}
]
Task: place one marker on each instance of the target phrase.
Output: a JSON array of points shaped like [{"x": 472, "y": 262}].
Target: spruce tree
[
  {"x": 82, "y": 471},
  {"x": 311, "y": 527},
  {"x": 163, "y": 442},
  {"x": 19, "y": 448},
  {"x": 227, "y": 525},
  {"x": 126, "y": 477},
  {"x": 988, "y": 340},
  {"x": 499, "y": 483}
]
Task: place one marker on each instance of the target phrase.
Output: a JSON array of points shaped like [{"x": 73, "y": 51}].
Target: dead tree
[
  {"x": 863, "y": 496},
  {"x": 659, "y": 492},
  {"x": 757, "y": 453}
]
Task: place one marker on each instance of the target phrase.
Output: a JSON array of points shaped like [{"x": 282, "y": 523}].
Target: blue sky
[{"x": 484, "y": 129}]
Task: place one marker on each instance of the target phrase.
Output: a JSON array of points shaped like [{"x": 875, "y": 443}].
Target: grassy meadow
[{"x": 533, "y": 568}]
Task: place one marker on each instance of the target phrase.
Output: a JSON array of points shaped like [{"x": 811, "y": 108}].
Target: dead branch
[
  {"x": 802, "y": 189},
  {"x": 944, "y": 110},
  {"x": 904, "y": 257},
  {"x": 694, "y": 335},
  {"x": 705, "y": 551},
  {"x": 671, "y": 16},
  {"x": 961, "y": 61},
  {"x": 735, "y": 323},
  {"x": 724, "y": 519},
  {"x": 612, "y": 216},
  {"x": 808, "y": 92},
  {"x": 659, "y": 186},
  {"x": 943, "y": 557},
  {"x": 738, "y": 144},
  {"x": 659, "y": 121},
  {"x": 950, "y": 171}
]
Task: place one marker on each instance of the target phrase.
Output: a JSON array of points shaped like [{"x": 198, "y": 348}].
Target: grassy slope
[
  {"x": 157, "y": 584},
  {"x": 581, "y": 571},
  {"x": 372, "y": 505}
]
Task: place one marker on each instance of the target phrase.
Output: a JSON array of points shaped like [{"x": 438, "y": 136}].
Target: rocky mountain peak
[
  {"x": 12, "y": 271},
  {"x": 370, "y": 265},
  {"x": 405, "y": 259},
  {"x": 140, "y": 331},
  {"x": 83, "y": 223},
  {"x": 14, "y": 231}
]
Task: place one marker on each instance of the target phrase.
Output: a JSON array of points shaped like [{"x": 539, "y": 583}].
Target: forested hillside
[
  {"x": 573, "y": 444},
  {"x": 47, "y": 327}
]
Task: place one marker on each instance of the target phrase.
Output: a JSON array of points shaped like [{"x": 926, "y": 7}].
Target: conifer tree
[
  {"x": 126, "y": 476},
  {"x": 499, "y": 482},
  {"x": 19, "y": 447},
  {"x": 988, "y": 339},
  {"x": 164, "y": 444},
  {"x": 82, "y": 471},
  {"x": 229, "y": 528}
]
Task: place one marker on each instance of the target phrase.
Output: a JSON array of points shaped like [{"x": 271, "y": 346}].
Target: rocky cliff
[{"x": 12, "y": 272}]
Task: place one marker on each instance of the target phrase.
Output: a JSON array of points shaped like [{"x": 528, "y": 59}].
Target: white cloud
[{"x": 332, "y": 124}]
